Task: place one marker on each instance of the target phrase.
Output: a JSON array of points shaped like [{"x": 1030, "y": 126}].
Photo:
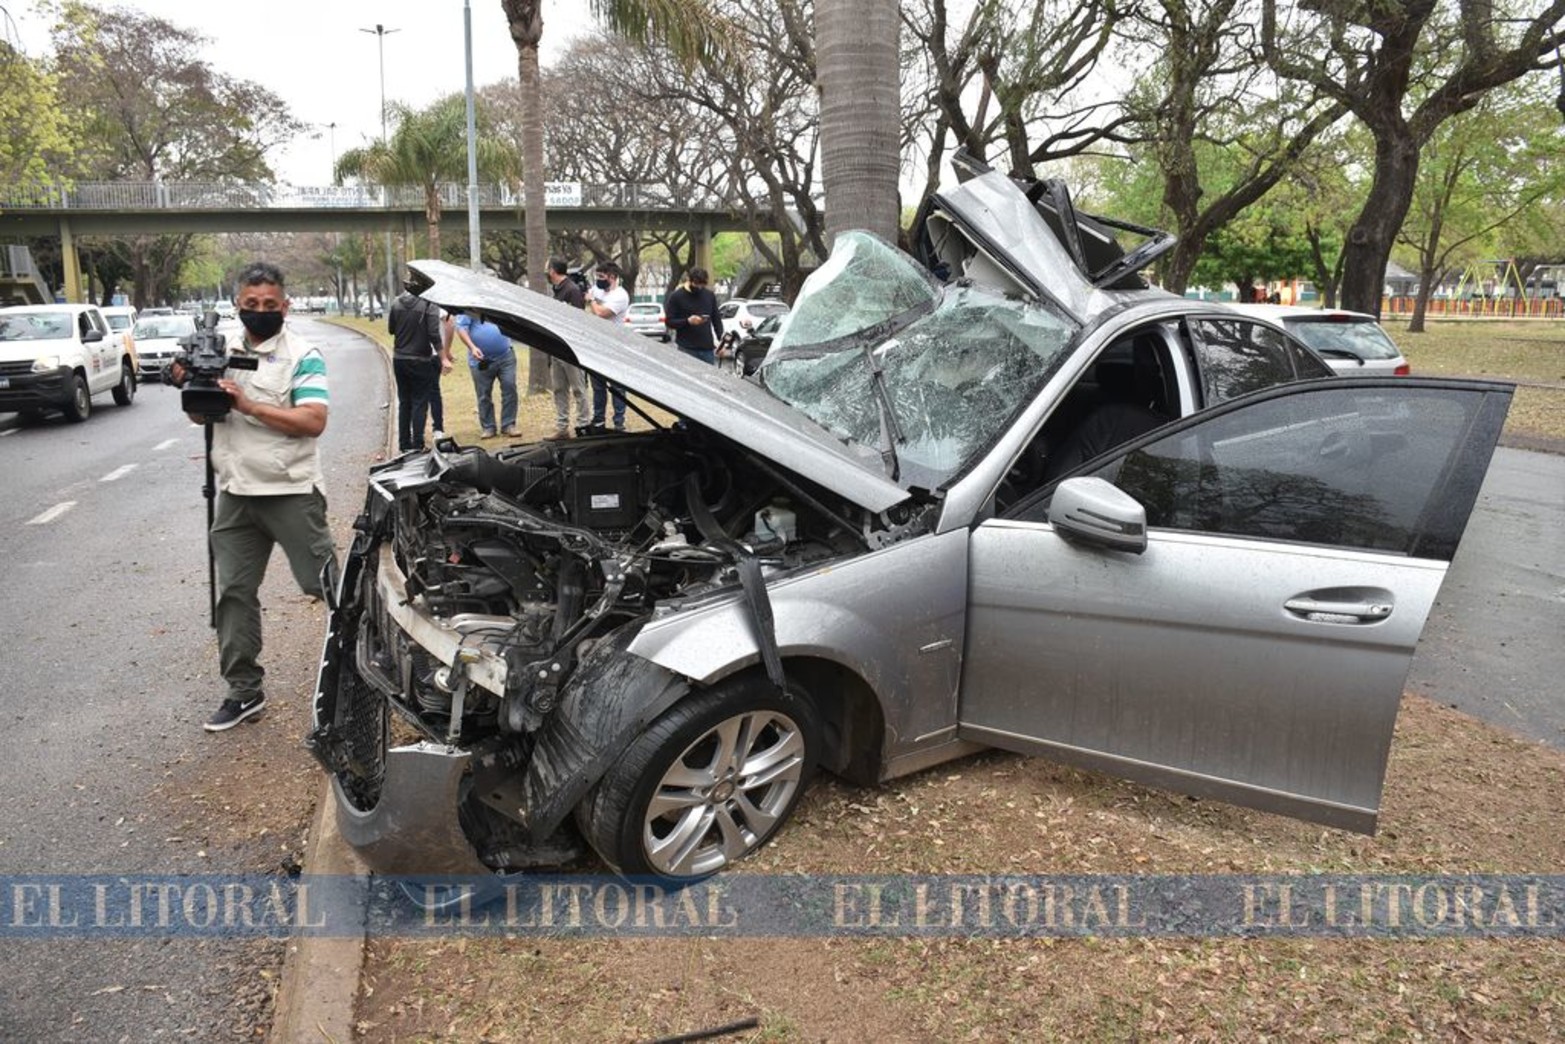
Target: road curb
[{"x": 320, "y": 982}]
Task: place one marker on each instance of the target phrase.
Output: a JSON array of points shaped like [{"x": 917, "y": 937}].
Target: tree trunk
[
  {"x": 432, "y": 218},
  {"x": 526, "y": 21},
  {"x": 1421, "y": 302},
  {"x": 857, "y": 52},
  {"x": 1368, "y": 248}
]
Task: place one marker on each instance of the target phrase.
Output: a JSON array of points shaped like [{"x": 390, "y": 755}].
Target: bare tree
[{"x": 1220, "y": 127}]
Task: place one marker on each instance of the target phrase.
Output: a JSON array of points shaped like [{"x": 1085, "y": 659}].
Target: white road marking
[
  {"x": 165, "y": 444},
  {"x": 119, "y": 472},
  {"x": 52, "y": 514}
]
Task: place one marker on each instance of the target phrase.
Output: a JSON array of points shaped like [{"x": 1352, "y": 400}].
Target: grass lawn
[
  {"x": 1530, "y": 353},
  {"x": 534, "y": 413}
]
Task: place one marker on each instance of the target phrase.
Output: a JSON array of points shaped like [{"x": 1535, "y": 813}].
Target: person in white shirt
[{"x": 607, "y": 300}]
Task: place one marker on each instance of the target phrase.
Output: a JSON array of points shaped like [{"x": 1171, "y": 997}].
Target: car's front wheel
[
  {"x": 79, "y": 406},
  {"x": 125, "y": 391},
  {"x": 707, "y": 784}
]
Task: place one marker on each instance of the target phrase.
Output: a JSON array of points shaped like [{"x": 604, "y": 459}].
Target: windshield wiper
[{"x": 890, "y": 429}]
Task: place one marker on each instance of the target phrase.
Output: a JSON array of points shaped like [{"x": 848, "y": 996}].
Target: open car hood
[{"x": 738, "y": 409}]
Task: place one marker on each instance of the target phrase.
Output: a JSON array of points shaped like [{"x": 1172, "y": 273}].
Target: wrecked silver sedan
[{"x": 1001, "y": 495}]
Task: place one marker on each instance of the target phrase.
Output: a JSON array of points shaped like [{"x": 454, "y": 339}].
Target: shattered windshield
[{"x": 956, "y": 362}]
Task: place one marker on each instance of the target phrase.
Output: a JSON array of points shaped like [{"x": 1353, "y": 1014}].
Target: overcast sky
[{"x": 314, "y": 56}]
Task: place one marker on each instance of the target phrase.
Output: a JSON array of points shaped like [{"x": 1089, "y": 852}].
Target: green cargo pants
[{"x": 244, "y": 530}]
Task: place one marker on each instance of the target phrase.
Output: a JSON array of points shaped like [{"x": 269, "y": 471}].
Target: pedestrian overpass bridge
[{"x": 121, "y": 208}]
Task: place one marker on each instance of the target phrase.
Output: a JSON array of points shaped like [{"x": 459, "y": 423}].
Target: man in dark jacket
[
  {"x": 417, "y": 362},
  {"x": 565, "y": 379},
  {"x": 691, "y": 312}
]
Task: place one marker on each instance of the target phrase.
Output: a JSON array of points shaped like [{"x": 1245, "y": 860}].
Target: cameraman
[{"x": 269, "y": 477}]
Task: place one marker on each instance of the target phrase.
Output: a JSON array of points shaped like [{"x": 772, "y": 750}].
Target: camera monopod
[{"x": 202, "y": 397}]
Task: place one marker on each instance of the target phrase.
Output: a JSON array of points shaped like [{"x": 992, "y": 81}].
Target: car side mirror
[
  {"x": 1100, "y": 513},
  {"x": 92, "y": 335}
]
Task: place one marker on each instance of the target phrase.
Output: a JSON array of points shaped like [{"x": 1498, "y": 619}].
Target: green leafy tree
[
  {"x": 1403, "y": 68},
  {"x": 39, "y": 141},
  {"x": 150, "y": 107},
  {"x": 1489, "y": 168},
  {"x": 428, "y": 148},
  {"x": 1266, "y": 243},
  {"x": 1220, "y": 129}
]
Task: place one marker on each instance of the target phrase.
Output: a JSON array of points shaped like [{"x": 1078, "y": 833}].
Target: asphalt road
[
  {"x": 108, "y": 672},
  {"x": 1492, "y": 646}
]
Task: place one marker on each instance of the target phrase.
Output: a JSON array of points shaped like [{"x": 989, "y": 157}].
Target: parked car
[
  {"x": 751, "y": 352},
  {"x": 1350, "y": 342},
  {"x": 57, "y": 357},
  {"x": 743, "y": 316},
  {"x": 1001, "y": 494},
  {"x": 155, "y": 310},
  {"x": 158, "y": 339},
  {"x": 646, "y": 318}
]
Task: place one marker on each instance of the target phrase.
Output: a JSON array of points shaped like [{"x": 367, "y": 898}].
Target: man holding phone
[{"x": 691, "y": 312}]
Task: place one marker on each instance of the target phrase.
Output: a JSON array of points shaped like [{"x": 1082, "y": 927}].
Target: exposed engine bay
[{"x": 478, "y": 582}]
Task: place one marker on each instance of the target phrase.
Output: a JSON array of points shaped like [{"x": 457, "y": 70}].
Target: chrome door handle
[{"x": 1338, "y": 612}]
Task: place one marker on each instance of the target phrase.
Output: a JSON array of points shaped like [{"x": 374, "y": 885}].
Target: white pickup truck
[{"x": 57, "y": 357}]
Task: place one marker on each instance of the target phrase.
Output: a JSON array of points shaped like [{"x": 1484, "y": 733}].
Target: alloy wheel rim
[{"x": 724, "y": 794}]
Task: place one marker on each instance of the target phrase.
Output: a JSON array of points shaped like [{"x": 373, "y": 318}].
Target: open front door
[{"x": 1255, "y": 650}]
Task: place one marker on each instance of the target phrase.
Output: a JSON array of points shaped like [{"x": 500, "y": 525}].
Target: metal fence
[{"x": 186, "y": 195}]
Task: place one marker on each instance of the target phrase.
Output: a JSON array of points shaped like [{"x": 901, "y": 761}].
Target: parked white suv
[
  {"x": 1350, "y": 342},
  {"x": 57, "y": 357}
]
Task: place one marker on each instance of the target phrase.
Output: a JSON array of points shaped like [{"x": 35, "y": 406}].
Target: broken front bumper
[{"x": 413, "y": 828}]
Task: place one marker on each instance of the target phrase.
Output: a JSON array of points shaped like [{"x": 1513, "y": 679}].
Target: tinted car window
[
  {"x": 1351, "y": 467},
  {"x": 1237, "y": 356}
]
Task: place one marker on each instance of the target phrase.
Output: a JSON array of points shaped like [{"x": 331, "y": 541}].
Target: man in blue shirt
[{"x": 489, "y": 358}]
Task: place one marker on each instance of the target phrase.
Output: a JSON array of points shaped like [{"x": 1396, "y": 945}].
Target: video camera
[{"x": 204, "y": 357}]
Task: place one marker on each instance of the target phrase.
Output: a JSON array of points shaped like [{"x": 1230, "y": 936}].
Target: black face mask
[
  {"x": 263, "y": 326},
  {"x": 602, "y": 284}
]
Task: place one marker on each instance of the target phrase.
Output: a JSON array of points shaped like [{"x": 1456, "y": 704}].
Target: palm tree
[
  {"x": 856, "y": 53},
  {"x": 429, "y": 147},
  {"x": 526, "y": 22}
]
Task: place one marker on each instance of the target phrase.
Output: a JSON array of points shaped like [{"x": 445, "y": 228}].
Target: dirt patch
[{"x": 1461, "y": 797}]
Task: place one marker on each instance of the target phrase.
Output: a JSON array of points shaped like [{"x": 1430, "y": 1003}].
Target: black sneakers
[{"x": 232, "y": 712}]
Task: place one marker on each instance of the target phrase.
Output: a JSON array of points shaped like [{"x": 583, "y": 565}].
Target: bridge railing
[{"x": 188, "y": 195}]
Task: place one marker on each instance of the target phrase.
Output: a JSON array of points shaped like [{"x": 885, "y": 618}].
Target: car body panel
[
  {"x": 681, "y": 385},
  {"x": 1225, "y": 661},
  {"x": 892, "y": 617}
]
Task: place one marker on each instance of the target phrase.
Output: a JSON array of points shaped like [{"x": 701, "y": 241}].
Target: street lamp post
[{"x": 380, "y": 32}]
